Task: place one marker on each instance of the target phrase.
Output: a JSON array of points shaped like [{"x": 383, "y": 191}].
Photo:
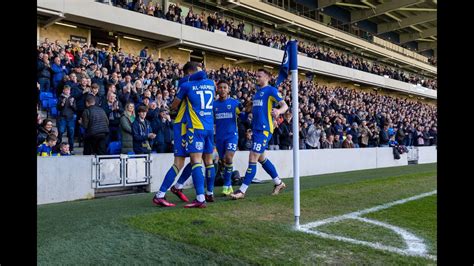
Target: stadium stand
[
  {"x": 216, "y": 22},
  {"x": 371, "y": 118}
]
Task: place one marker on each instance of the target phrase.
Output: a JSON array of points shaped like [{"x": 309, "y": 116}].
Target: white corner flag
[{"x": 290, "y": 62}]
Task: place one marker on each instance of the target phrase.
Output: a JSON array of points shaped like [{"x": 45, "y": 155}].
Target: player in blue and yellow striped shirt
[
  {"x": 264, "y": 113},
  {"x": 179, "y": 146},
  {"x": 199, "y": 97}
]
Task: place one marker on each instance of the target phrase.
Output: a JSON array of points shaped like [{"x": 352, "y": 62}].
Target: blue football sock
[
  {"x": 250, "y": 174},
  {"x": 185, "y": 174},
  {"x": 198, "y": 178},
  {"x": 210, "y": 177},
  {"x": 169, "y": 178},
  {"x": 229, "y": 168},
  {"x": 269, "y": 168}
]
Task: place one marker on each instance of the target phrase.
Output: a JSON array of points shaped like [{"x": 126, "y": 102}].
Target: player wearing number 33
[
  {"x": 226, "y": 110},
  {"x": 263, "y": 113}
]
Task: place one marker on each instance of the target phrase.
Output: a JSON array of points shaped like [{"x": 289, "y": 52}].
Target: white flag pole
[{"x": 296, "y": 159}]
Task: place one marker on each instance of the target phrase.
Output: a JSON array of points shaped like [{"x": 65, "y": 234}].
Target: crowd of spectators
[
  {"x": 105, "y": 96},
  {"x": 215, "y": 21}
]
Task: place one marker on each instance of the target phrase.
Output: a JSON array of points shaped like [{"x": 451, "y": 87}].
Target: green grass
[
  {"x": 257, "y": 230},
  {"x": 363, "y": 231},
  {"x": 418, "y": 217}
]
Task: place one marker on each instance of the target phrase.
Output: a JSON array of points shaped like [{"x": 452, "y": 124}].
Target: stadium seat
[
  {"x": 54, "y": 111},
  {"x": 46, "y": 95},
  {"x": 114, "y": 147},
  {"x": 130, "y": 153},
  {"x": 45, "y": 104},
  {"x": 52, "y": 102}
]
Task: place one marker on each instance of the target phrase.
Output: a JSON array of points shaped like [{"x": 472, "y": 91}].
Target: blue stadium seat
[
  {"x": 52, "y": 102},
  {"x": 130, "y": 153},
  {"x": 44, "y": 104},
  {"x": 54, "y": 111},
  {"x": 114, "y": 147},
  {"x": 46, "y": 95}
]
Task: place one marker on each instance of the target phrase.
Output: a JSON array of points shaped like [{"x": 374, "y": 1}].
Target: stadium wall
[
  {"x": 62, "y": 33},
  {"x": 427, "y": 154},
  {"x": 62, "y": 179}
]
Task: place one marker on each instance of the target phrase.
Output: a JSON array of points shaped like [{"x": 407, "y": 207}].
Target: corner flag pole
[{"x": 293, "y": 57}]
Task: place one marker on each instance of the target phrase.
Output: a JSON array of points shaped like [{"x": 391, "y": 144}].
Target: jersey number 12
[{"x": 209, "y": 102}]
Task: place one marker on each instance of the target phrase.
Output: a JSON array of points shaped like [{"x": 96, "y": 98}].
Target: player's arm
[
  {"x": 278, "y": 98},
  {"x": 179, "y": 97},
  {"x": 175, "y": 104},
  {"x": 278, "y": 111}
]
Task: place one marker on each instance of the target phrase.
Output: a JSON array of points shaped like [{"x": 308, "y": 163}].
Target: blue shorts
[
  {"x": 179, "y": 146},
  {"x": 226, "y": 143},
  {"x": 260, "y": 139},
  {"x": 200, "y": 141}
]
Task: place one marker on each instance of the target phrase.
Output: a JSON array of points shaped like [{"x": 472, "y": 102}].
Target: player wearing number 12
[
  {"x": 198, "y": 95},
  {"x": 263, "y": 112},
  {"x": 226, "y": 111}
]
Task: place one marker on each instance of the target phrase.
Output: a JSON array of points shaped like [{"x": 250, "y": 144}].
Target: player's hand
[
  {"x": 275, "y": 123},
  {"x": 275, "y": 112}
]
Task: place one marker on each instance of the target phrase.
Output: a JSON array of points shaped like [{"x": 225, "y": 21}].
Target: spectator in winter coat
[
  {"x": 347, "y": 143},
  {"x": 66, "y": 119},
  {"x": 113, "y": 109},
  {"x": 384, "y": 136},
  {"x": 142, "y": 133},
  {"x": 313, "y": 137},
  {"x": 126, "y": 122},
  {"x": 44, "y": 72},
  {"x": 163, "y": 128},
  {"x": 59, "y": 71},
  {"x": 365, "y": 134},
  {"x": 337, "y": 144},
  {"x": 45, "y": 129},
  {"x": 286, "y": 133},
  {"x": 96, "y": 125}
]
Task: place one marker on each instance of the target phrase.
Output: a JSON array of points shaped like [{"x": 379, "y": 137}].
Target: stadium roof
[{"x": 412, "y": 20}]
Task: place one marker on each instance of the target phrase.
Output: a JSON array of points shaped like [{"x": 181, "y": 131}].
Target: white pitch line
[
  {"x": 369, "y": 244},
  {"x": 374, "y": 209},
  {"x": 415, "y": 245}
]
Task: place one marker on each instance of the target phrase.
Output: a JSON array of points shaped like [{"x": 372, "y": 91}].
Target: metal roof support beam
[
  {"x": 423, "y": 46},
  {"x": 410, "y": 21},
  {"x": 326, "y": 3},
  {"x": 381, "y": 9},
  {"x": 408, "y": 37}
]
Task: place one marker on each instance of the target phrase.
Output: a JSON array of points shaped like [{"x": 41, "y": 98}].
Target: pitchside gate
[{"x": 112, "y": 171}]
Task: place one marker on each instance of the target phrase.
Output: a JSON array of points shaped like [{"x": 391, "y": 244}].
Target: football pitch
[{"x": 380, "y": 216}]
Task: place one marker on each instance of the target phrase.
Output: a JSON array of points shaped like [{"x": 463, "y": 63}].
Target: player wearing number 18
[
  {"x": 198, "y": 95},
  {"x": 262, "y": 128}
]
